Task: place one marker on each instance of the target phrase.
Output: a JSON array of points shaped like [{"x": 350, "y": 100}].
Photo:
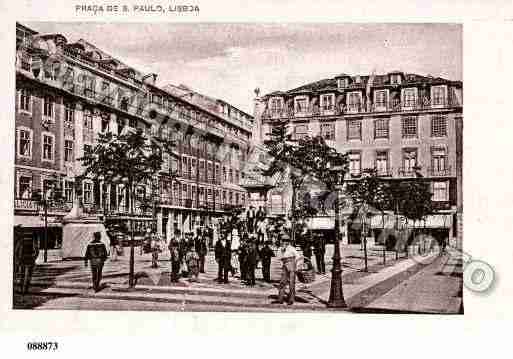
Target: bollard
[{"x": 384, "y": 255}]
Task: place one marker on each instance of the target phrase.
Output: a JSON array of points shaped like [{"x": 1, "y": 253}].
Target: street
[{"x": 67, "y": 285}]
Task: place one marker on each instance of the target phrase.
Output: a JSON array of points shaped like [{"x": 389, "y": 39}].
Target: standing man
[
  {"x": 251, "y": 216},
  {"x": 223, "y": 256},
  {"x": 175, "y": 259},
  {"x": 266, "y": 254},
  {"x": 200, "y": 244},
  {"x": 319, "y": 251},
  {"x": 288, "y": 257},
  {"x": 251, "y": 261},
  {"x": 26, "y": 251},
  {"x": 96, "y": 252}
]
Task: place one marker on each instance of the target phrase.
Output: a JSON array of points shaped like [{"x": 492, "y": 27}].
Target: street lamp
[{"x": 336, "y": 299}]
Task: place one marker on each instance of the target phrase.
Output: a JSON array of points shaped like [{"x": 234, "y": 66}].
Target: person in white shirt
[{"x": 289, "y": 257}]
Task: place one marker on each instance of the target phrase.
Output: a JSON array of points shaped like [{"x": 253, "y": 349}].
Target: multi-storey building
[
  {"x": 68, "y": 93},
  {"x": 403, "y": 125}
]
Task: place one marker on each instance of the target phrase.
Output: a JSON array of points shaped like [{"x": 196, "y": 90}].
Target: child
[{"x": 192, "y": 260}]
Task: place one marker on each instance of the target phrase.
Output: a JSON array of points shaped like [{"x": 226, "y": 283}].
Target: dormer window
[
  {"x": 343, "y": 82},
  {"x": 327, "y": 102},
  {"x": 395, "y": 79}
]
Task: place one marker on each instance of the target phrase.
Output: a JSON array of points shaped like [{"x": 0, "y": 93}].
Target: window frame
[
  {"x": 297, "y": 99},
  {"x": 356, "y": 106},
  {"x": 405, "y": 134},
  {"x": 52, "y": 136},
  {"x": 18, "y": 142},
  {"x": 350, "y": 170},
  {"x": 330, "y": 134},
  {"x": 377, "y": 130},
  {"x": 71, "y": 149},
  {"x": 51, "y": 107},
  {"x": 411, "y": 103},
  {"x": 436, "y": 130},
  {"x": 443, "y": 97},
  {"x": 386, "y": 157},
  {"x": 19, "y": 176},
  {"x": 323, "y": 100},
  {"x": 381, "y": 106},
  {"x": 445, "y": 197},
  {"x": 349, "y": 123},
  {"x": 21, "y": 109}
]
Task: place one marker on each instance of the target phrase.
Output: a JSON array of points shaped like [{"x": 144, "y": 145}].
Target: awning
[
  {"x": 430, "y": 221},
  {"x": 36, "y": 221},
  {"x": 321, "y": 223}
]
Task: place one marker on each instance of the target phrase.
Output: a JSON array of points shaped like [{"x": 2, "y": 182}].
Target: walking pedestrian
[
  {"x": 175, "y": 260},
  {"x": 26, "y": 251},
  {"x": 266, "y": 253},
  {"x": 223, "y": 257},
  {"x": 320, "y": 251},
  {"x": 96, "y": 253},
  {"x": 288, "y": 257},
  {"x": 192, "y": 261}
]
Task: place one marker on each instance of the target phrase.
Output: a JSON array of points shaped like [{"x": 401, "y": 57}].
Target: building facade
[
  {"x": 403, "y": 125},
  {"x": 68, "y": 93}
]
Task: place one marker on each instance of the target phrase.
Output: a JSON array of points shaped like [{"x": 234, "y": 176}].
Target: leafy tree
[
  {"x": 130, "y": 158},
  {"x": 369, "y": 191}
]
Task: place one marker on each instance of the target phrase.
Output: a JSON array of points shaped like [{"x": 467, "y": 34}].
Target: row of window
[
  {"x": 409, "y": 162},
  {"x": 354, "y": 100},
  {"x": 409, "y": 128},
  {"x": 24, "y": 191}
]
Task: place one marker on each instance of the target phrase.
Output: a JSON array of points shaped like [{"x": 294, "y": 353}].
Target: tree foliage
[{"x": 130, "y": 157}]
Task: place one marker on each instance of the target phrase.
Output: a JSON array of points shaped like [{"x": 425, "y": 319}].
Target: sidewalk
[{"x": 436, "y": 288}]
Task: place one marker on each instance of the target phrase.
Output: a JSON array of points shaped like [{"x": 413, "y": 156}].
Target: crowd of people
[{"x": 243, "y": 242}]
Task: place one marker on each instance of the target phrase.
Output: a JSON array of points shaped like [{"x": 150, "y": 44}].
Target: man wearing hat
[
  {"x": 288, "y": 256},
  {"x": 26, "y": 251},
  {"x": 251, "y": 260},
  {"x": 96, "y": 253},
  {"x": 266, "y": 253}
]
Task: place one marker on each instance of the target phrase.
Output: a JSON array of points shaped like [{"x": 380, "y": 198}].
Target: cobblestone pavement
[{"x": 116, "y": 272}]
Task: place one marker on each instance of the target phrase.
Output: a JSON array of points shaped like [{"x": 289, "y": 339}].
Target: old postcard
[{"x": 267, "y": 167}]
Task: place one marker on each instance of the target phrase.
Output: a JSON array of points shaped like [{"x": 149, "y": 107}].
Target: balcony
[
  {"x": 395, "y": 105},
  {"x": 407, "y": 172},
  {"x": 439, "y": 172}
]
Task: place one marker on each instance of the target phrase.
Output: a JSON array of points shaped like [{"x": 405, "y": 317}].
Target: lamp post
[{"x": 336, "y": 299}]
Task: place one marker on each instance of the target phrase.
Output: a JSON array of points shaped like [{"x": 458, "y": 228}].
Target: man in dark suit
[
  {"x": 319, "y": 251},
  {"x": 96, "y": 253},
  {"x": 26, "y": 251},
  {"x": 251, "y": 216},
  {"x": 200, "y": 244},
  {"x": 223, "y": 255}
]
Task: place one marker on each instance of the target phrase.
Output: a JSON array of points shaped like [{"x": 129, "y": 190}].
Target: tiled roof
[{"x": 378, "y": 80}]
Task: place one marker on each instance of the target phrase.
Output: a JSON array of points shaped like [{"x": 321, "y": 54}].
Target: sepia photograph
[{"x": 240, "y": 167}]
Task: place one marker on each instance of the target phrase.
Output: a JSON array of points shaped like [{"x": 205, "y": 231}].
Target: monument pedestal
[{"x": 77, "y": 232}]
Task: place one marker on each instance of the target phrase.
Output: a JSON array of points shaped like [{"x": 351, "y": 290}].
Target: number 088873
[{"x": 41, "y": 346}]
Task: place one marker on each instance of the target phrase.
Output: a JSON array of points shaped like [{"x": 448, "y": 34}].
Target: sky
[{"x": 228, "y": 61}]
